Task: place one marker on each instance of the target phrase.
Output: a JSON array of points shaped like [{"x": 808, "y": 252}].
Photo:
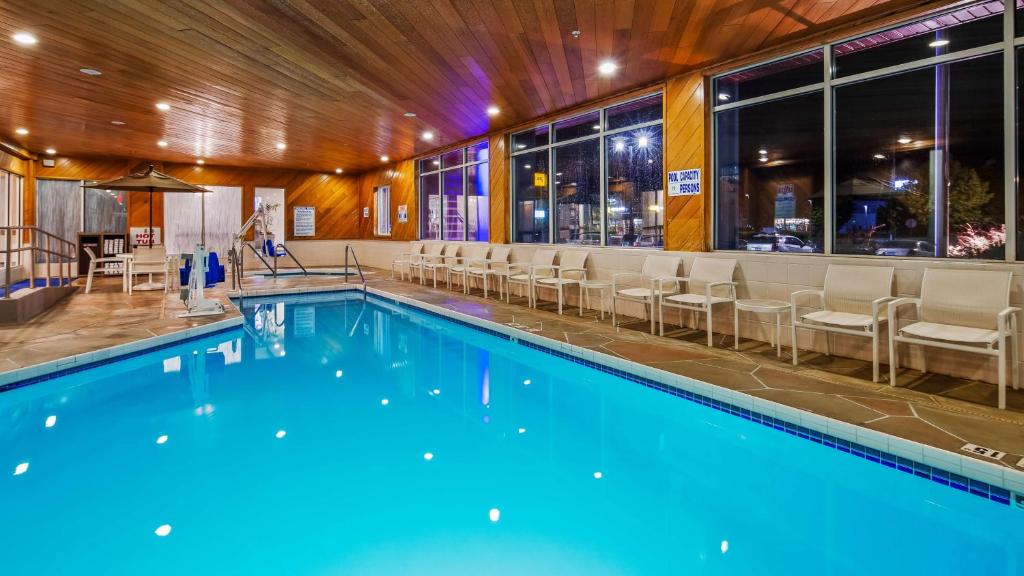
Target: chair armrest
[
  {"x": 895, "y": 305},
  {"x": 659, "y": 283},
  {"x": 711, "y": 285},
  {"x": 1004, "y": 315},
  {"x": 800, "y": 293},
  {"x": 516, "y": 267},
  {"x": 876, "y": 305},
  {"x": 562, "y": 270}
]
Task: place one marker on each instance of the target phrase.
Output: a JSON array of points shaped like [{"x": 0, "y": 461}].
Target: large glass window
[
  {"x": 914, "y": 141},
  {"x": 453, "y": 190},
  {"x": 567, "y": 175},
  {"x": 770, "y": 176}
]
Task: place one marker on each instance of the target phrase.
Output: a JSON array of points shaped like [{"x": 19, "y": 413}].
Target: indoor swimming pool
[{"x": 336, "y": 435}]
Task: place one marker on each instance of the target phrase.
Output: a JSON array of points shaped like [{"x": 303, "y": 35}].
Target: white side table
[
  {"x": 586, "y": 286},
  {"x": 776, "y": 307}
]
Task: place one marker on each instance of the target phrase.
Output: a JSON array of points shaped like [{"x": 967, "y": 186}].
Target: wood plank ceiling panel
[{"x": 332, "y": 80}]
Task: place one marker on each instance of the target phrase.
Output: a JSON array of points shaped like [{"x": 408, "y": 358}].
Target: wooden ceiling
[{"x": 332, "y": 80}]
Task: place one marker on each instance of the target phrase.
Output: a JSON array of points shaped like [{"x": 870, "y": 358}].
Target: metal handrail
[
  {"x": 64, "y": 258},
  {"x": 348, "y": 249},
  {"x": 290, "y": 255}
]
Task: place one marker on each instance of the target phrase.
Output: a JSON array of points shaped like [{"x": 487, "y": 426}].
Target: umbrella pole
[
  {"x": 151, "y": 218},
  {"x": 202, "y": 200}
]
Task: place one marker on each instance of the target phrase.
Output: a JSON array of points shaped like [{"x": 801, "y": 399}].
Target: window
[
  {"x": 915, "y": 144},
  {"x": 11, "y": 213},
  {"x": 382, "y": 210},
  {"x": 454, "y": 195},
  {"x": 620, "y": 207}
]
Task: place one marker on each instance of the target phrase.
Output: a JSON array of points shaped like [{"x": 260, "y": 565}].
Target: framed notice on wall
[
  {"x": 403, "y": 213},
  {"x": 304, "y": 221}
]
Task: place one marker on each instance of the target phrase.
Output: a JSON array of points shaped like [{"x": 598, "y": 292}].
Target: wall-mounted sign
[
  {"x": 785, "y": 201},
  {"x": 304, "y": 221},
  {"x": 540, "y": 179},
  {"x": 403, "y": 213},
  {"x": 366, "y": 211},
  {"x": 140, "y": 236},
  {"x": 684, "y": 182}
]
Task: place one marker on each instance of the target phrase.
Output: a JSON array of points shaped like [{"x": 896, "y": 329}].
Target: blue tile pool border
[{"x": 938, "y": 475}]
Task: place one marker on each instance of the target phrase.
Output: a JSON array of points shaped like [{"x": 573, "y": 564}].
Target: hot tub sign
[
  {"x": 140, "y": 236},
  {"x": 684, "y": 182}
]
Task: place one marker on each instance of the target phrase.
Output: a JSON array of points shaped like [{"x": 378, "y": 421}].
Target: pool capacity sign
[
  {"x": 304, "y": 222},
  {"x": 684, "y": 182}
]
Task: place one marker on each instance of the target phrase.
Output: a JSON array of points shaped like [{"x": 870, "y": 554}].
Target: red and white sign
[{"x": 140, "y": 236}]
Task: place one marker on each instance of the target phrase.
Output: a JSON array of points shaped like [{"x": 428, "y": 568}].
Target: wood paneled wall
[
  {"x": 401, "y": 177},
  {"x": 685, "y": 216},
  {"x": 499, "y": 188}
]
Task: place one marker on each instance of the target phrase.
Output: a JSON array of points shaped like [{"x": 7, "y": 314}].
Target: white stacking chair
[
  {"x": 430, "y": 253},
  {"x": 642, "y": 287},
  {"x": 496, "y": 265},
  {"x": 434, "y": 263},
  {"x": 93, "y": 261},
  {"x": 473, "y": 256},
  {"x": 149, "y": 260},
  {"x": 523, "y": 272},
  {"x": 852, "y": 303},
  {"x": 709, "y": 283},
  {"x": 571, "y": 269},
  {"x": 405, "y": 260},
  {"x": 962, "y": 310}
]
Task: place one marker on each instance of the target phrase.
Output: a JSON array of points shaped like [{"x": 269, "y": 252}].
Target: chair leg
[
  {"x": 615, "y": 322},
  {"x": 652, "y": 314},
  {"x": 711, "y": 342},
  {"x": 778, "y": 333},
  {"x": 88, "y": 279},
  {"x": 893, "y": 358},
  {"x": 792, "y": 340},
  {"x": 1002, "y": 372},
  {"x": 1015, "y": 356},
  {"x": 874, "y": 354},
  {"x": 580, "y": 286},
  {"x": 736, "y": 328},
  {"x": 661, "y": 318},
  {"x": 560, "y": 298}
]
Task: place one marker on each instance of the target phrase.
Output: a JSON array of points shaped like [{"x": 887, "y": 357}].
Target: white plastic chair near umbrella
[{"x": 152, "y": 181}]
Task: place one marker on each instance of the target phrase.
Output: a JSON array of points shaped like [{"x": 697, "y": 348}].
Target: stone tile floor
[{"x": 932, "y": 409}]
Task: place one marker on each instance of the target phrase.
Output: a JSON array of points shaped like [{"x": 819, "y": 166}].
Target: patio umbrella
[{"x": 152, "y": 181}]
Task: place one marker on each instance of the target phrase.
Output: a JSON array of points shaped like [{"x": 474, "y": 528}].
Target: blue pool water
[{"x": 343, "y": 437}]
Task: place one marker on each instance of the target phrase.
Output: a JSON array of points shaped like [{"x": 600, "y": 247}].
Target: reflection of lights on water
[
  {"x": 205, "y": 409},
  {"x": 338, "y": 373},
  {"x": 281, "y": 434},
  {"x": 428, "y": 456},
  {"x": 21, "y": 469},
  {"x": 162, "y": 439},
  {"x": 526, "y": 382},
  {"x": 487, "y": 419},
  {"x": 522, "y": 430},
  {"x": 384, "y": 401},
  {"x": 725, "y": 546},
  {"x": 51, "y": 421},
  {"x": 598, "y": 475},
  {"x": 494, "y": 514},
  {"x": 163, "y": 530}
]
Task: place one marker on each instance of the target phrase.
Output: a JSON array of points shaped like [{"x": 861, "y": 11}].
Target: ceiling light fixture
[
  {"x": 162, "y": 143},
  {"x": 338, "y": 171},
  {"x": 938, "y": 43},
  {"x": 409, "y": 114},
  {"x": 607, "y": 68},
  {"x": 493, "y": 110},
  {"x": 90, "y": 71},
  {"x": 200, "y": 161},
  {"x": 904, "y": 140},
  {"x": 117, "y": 123},
  {"x": 384, "y": 158},
  {"x": 724, "y": 97},
  {"x": 763, "y": 159},
  {"x": 163, "y": 106},
  {"x": 21, "y": 131},
  {"x": 51, "y": 151},
  {"x": 280, "y": 146},
  {"x": 24, "y": 38},
  {"x": 428, "y": 135},
  {"x": 879, "y": 156},
  {"x": 762, "y": 151}
]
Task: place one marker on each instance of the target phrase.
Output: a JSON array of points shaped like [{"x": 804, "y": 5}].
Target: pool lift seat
[{"x": 196, "y": 304}]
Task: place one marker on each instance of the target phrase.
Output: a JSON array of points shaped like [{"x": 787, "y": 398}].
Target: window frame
[
  {"x": 600, "y": 135},
  {"x": 438, "y": 172},
  {"x": 1007, "y": 47},
  {"x": 382, "y": 210}
]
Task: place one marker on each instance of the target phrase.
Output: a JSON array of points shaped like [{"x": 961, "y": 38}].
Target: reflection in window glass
[
  {"x": 453, "y": 158},
  {"x": 477, "y": 152},
  {"x": 105, "y": 211},
  {"x": 430, "y": 164},
  {"x": 477, "y": 187},
  {"x": 968, "y": 27},
  {"x": 632, "y": 113},
  {"x": 634, "y": 168},
  {"x": 801, "y": 70},
  {"x": 578, "y": 193},
  {"x": 530, "y": 138},
  {"x": 430, "y": 207},
  {"x": 922, "y": 175},
  {"x": 578, "y": 127},
  {"x": 530, "y": 197},
  {"x": 453, "y": 206},
  {"x": 770, "y": 171}
]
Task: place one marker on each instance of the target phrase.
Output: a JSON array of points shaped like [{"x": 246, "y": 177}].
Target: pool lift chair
[{"x": 265, "y": 242}]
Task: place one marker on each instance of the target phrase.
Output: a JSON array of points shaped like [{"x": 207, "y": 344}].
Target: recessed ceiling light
[
  {"x": 280, "y": 146},
  {"x": 428, "y": 135},
  {"x": 596, "y": 126},
  {"x": 90, "y": 71},
  {"x": 904, "y": 140},
  {"x": 607, "y": 68},
  {"x": 338, "y": 171},
  {"x": 384, "y": 158},
  {"x": 642, "y": 141},
  {"x": 24, "y": 38},
  {"x": 21, "y": 131},
  {"x": 436, "y": 162},
  {"x": 409, "y": 114},
  {"x": 162, "y": 143},
  {"x": 493, "y": 110},
  {"x": 938, "y": 43},
  {"x": 51, "y": 151},
  {"x": 117, "y": 123},
  {"x": 200, "y": 161},
  {"x": 763, "y": 159},
  {"x": 163, "y": 106},
  {"x": 879, "y": 156},
  {"x": 724, "y": 97},
  {"x": 576, "y": 34},
  {"x": 762, "y": 151}
]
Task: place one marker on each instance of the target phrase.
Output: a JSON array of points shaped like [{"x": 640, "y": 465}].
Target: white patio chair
[
  {"x": 523, "y": 272},
  {"x": 643, "y": 287},
  {"x": 404, "y": 261},
  {"x": 433, "y": 263},
  {"x": 852, "y": 302},
  {"x": 473, "y": 256},
  {"x": 93, "y": 261},
  {"x": 571, "y": 269},
  {"x": 496, "y": 265},
  {"x": 430, "y": 253},
  {"x": 709, "y": 283},
  {"x": 149, "y": 260},
  {"x": 963, "y": 310}
]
